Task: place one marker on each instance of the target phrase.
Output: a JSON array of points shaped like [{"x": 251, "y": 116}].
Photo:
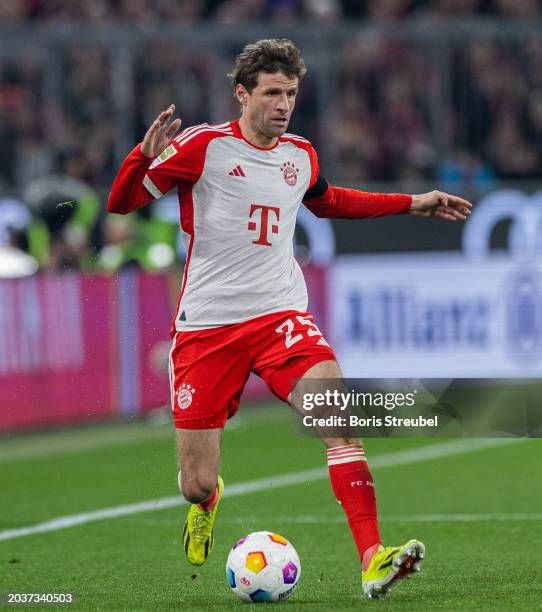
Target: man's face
[{"x": 270, "y": 104}]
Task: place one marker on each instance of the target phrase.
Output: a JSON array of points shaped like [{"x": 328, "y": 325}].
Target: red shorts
[{"x": 208, "y": 369}]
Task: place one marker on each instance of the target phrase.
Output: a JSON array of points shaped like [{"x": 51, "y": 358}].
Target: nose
[{"x": 282, "y": 104}]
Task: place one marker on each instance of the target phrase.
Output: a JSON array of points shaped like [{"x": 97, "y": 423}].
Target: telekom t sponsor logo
[{"x": 265, "y": 221}]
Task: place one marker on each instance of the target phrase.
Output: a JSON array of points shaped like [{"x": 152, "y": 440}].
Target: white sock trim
[
  {"x": 345, "y": 460},
  {"x": 345, "y": 454},
  {"x": 346, "y": 451}
]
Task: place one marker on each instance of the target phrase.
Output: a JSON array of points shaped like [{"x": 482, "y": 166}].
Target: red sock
[
  {"x": 209, "y": 504},
  {"x": 353, "y": 487}
]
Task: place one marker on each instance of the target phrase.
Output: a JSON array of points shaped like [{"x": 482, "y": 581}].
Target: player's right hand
[{"x": 160, "y": 133}]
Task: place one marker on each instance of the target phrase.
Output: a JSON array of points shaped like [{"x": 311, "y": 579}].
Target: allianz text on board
[{"x": 471, "y": 314}]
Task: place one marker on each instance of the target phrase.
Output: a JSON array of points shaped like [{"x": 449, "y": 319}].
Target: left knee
[
  {"x": 196, "y": 488},
  {"x": 196, "y": 491}
]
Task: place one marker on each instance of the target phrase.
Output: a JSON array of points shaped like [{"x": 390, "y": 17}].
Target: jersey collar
[{"x": 237, "y": 132}]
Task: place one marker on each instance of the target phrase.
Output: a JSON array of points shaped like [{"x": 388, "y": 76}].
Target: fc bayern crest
[
  {"x": 184, "y": 396},
  {"x": 289, "y": 173}
]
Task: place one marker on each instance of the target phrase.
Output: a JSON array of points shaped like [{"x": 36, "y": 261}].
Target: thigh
[
  {"x": 208, "y": 372},
  {"x": 287, "y": 345},
  {"x": 322, "y": 377}
]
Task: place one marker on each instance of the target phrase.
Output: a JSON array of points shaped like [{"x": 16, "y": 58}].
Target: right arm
[{"x": 129, "y": 192}]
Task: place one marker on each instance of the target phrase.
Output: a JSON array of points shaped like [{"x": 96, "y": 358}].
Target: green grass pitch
[{"x": 479, "y": 514}]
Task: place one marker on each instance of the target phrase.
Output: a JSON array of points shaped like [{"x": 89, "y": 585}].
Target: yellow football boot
[
  {"x": 389, "y": 565},
  {"x": 198, "y": 540}
]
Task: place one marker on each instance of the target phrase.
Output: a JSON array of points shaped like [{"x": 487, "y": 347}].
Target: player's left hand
[{"x": 440, "y": 205}]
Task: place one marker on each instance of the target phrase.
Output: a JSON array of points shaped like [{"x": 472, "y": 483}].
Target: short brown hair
[{"x": 269, "y": 55}]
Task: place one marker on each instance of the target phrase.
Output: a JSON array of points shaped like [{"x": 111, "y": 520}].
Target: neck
[{"x": 253, "y": 135}]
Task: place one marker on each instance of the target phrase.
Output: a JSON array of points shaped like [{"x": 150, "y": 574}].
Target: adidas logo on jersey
[{"x": 237, "y": 171}]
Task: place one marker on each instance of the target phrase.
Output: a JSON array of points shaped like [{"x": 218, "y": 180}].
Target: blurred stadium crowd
[
  {"x": 396, "y": 118},
  {"x": 230, "y": 11}
]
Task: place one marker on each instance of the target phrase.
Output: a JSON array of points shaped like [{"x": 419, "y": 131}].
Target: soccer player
[{"x": 243, "y": 300}]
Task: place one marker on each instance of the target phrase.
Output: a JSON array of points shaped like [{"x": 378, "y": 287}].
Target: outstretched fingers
[
  {"x": 166, "y": 114},
  {"x": 456, "y": 202},
  {"x": 449, "y": 214},
  {"x": 159, "y": 133},
  {"x": 441, "y": 205},
  {"x": 173, "y": 128},
  {"x": 453, "y": 208}
]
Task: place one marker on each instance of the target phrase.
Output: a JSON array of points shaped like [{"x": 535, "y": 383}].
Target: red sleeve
[
  {"x": 338, "y": 202},
  {"x": 141, "y": 179},
  {"x": 128, "y": 193}
]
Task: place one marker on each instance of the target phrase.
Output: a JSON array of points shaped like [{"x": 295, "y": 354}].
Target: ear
[{"x": 241, "y": 94}]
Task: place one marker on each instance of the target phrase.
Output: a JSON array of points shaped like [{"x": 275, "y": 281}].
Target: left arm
[{"x": 328, "y": 201}]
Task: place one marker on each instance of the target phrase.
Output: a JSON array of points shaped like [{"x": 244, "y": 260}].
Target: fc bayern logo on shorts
[
  {"x": 184, "y": 396},
  {"x": 289, "y": 173}
]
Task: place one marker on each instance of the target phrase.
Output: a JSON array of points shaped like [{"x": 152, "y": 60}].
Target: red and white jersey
[{"x": 238, "y": 213}]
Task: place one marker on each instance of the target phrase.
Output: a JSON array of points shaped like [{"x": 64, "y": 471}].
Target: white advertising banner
[{"x": 437, "y": 315}]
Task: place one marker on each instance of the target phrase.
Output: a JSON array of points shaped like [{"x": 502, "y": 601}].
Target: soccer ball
[{"x": 263, "y": 566}]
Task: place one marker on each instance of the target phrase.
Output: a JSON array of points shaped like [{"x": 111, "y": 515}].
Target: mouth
[{"x": 282, "y": 121}]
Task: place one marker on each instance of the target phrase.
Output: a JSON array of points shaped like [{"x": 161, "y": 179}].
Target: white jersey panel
[{"x": 241, "y": 263}]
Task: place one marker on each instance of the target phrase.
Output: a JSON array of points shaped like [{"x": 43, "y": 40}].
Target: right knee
[{"x": 197, "y": 489}]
